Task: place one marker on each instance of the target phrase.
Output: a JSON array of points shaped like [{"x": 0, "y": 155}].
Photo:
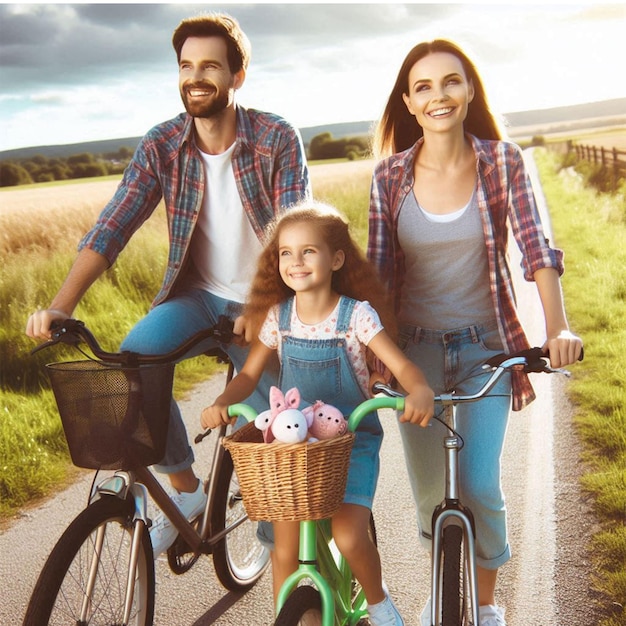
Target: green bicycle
[{"x": 333, "y": 596}]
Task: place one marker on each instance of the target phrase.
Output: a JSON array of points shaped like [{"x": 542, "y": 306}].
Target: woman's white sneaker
[{"x": 491, "y": 615}]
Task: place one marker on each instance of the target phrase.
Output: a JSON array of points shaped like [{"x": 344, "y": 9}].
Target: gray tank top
[{"x": 446, "y": 285}]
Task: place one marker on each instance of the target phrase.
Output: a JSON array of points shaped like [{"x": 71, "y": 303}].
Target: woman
[{"x": 442, "y": 200}]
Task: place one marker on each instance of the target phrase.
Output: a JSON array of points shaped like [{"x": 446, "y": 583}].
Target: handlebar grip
[
  {"x": 536, "y": 359},
  {"x": 235, "y": 410},
  {"x": 66, "y": 331},
  {"x": 223, "y": 330}
]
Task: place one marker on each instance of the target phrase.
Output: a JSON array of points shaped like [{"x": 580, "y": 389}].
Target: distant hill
[
  {"x": 567, "y": 119},
  {"x": 541, "y": 121}
]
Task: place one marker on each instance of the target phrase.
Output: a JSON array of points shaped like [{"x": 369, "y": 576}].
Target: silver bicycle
[{"x": 454, "y": 590}]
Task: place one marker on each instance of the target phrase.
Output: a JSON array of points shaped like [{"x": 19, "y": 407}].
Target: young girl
[
  {"x": 308, "y": 302},
  {"x": 442, "y": 201}
]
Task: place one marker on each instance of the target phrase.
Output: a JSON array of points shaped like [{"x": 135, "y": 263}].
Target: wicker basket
[
  {"x": 113, "y": 417},
  {"x": 284, "y": 482}
]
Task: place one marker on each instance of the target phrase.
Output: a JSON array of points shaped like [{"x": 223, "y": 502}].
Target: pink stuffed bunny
[{"x": 326, "y": 421}]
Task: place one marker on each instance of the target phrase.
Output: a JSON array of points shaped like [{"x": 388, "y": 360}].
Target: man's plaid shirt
[{"x": 270, "y": 169}]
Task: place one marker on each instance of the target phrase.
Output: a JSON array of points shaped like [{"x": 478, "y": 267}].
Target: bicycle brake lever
[
  {"x": 62, "y": 332},
  {"x": 557, "y": 370},
  {"x": 43, "y": 346},
  {"x": 223, "y": 330},
  {"x": 200, "y": 436}
]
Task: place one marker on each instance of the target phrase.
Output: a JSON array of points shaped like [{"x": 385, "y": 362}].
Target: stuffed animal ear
[
  {"x": 309, "y": 415},
  {"x": 263, "y": 422},
  {"x": 277, "y": 400},
  {"x": 292, "y": 398}
]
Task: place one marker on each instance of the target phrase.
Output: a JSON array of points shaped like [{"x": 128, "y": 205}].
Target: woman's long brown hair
[{"x": 398, "y": 130}]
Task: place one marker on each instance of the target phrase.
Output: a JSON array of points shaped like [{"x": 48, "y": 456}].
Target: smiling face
[
  {"x": 305, "y": 261},
  {"x": 207, "y": 86},
  {"x": 438, "y": 92}
]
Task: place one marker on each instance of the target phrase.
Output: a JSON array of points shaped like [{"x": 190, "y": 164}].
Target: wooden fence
[{"x": 612, "y": 159}]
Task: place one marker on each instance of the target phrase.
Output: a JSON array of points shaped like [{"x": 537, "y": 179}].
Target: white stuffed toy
[{"x": 285, "y": 423}]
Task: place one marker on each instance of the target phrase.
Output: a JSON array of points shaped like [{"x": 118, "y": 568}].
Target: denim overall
[{"x": 321, "y": 370}]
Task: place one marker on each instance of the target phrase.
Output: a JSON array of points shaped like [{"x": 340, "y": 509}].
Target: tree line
[{"x": 42, "y": 169}]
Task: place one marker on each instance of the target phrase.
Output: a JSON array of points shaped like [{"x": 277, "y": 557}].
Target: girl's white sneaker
[{"x": 384, "y": 613}]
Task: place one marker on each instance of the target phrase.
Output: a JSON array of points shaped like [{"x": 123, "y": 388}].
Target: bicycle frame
[
  {"x": 451, "y": 510},
  {"x": 122, "y": 499},
  {"x": 329, "y": 572}
]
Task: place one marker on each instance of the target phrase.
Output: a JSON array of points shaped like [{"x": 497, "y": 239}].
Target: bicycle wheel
[
  {"x": 61, "y": 589},
  {"x": 452, "y": 584},
  {"x": 302, "y": 607},
  {"x": 239, "y": 559}
]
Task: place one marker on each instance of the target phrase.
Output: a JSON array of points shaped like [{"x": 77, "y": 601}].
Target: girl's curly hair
[{"x": 357, "y": 278}]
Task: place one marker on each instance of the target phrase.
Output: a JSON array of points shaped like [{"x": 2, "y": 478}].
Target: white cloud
[{"x": 72, "y": 73}]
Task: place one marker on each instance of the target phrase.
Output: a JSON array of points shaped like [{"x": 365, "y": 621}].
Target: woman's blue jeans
[
  {"x": 169, "y": 325},
  {"x": 451, "y": 361}
]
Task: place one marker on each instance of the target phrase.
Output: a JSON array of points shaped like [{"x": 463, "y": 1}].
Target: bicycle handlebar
[
  {"x": 529, "y": 361},
  {"x": 369, "y": 406},
  {"x": 72, "y": 332}
]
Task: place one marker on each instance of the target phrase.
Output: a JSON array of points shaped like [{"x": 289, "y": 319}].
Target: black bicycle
[{"x": 115, "y": 412}]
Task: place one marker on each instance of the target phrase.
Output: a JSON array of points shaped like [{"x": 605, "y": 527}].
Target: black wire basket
[{"x": 114, "y": 417}]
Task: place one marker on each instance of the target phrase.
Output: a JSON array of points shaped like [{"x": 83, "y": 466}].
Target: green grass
[
  {"x": 32, "y": 446},
  {"x": 591, "y": 227}
]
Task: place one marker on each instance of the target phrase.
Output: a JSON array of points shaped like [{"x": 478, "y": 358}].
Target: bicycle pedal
[{"x": 179, "y": 548}]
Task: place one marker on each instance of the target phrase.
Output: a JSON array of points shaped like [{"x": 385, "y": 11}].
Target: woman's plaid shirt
[{"x": 505, "y": 200}]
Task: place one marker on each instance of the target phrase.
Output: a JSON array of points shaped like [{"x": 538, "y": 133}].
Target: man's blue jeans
[{"x": 168, "y": 326}]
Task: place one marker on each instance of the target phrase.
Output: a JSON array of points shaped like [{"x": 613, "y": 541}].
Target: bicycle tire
[
  {"x": 239, "y": 558},
  {"x": 452, "y": 593},
  {"x": 58, "y": 594},
  {"x": 301, "y": 600}
]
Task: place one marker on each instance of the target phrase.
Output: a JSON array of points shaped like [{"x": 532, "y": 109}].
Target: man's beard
[{"x": 211, "y": 106}]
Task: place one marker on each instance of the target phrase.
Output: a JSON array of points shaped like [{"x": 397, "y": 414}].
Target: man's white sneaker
[
  {"x": 491, "y": 615},
  {"x": 384, "y": 613},
  {"x": 163, "y": 533}
]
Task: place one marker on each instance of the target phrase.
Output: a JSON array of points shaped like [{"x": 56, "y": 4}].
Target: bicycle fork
[
  {"x": 120, "y": 485},
  {"x": 452, "y": 512}
]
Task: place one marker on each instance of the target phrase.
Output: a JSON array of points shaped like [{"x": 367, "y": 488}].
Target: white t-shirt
[
  {"x": 224, "y": 246},
  {"x": 364, "y": 324}
]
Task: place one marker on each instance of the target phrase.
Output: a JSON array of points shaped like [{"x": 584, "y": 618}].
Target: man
[{"x": 223, "y": 172}]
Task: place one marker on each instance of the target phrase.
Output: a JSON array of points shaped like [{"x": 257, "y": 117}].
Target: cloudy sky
[{"x": 80, "y": 72}]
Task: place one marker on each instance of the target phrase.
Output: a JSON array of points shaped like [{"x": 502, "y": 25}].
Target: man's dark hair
[{"x": 216, "y": 25}]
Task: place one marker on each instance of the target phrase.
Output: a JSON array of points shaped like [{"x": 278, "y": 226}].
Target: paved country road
[{"x": 546, "y": 583}]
